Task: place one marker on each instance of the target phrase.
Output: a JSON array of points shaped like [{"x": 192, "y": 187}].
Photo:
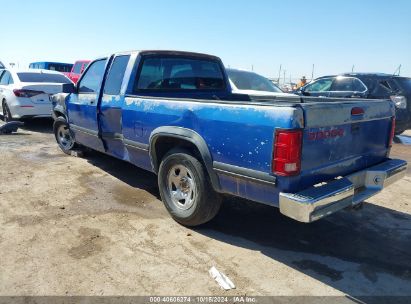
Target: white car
[
  {"x": 250, "y": 83},
  {"x": 26, "y": 93}
]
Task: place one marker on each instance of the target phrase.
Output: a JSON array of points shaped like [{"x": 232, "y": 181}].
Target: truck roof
[{"x": 170, "y": 52}]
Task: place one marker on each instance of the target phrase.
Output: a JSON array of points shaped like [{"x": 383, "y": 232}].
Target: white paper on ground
[{"x": 221, "y": 279}]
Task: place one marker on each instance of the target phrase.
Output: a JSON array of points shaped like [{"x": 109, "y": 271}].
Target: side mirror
[{"x": 68, "y": 88}]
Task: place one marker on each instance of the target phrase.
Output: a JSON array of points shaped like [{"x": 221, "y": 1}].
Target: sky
[{"x": 371, "y": 35}]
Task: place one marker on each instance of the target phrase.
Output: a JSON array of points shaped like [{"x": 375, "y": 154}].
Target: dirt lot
[{"x": 95, "y": 226}]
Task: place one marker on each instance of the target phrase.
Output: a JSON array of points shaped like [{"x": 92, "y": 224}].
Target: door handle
[{"x": 92, "y": 101}]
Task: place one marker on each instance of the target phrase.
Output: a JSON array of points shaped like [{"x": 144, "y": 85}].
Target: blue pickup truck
[{"x": 174, "y": 113}]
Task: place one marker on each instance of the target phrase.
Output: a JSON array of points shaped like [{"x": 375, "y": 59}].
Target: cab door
[
  {"x": 83, "y": 105},
  {"x": 110, "y": 114}
]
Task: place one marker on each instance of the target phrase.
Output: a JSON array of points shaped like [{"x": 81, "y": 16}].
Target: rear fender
[{"x": 188, "y": 136}]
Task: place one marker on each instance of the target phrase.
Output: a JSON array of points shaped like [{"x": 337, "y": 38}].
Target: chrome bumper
[{"x": 316, "y": 202}]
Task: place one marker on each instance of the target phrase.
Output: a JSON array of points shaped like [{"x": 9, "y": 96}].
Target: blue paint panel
[
  {"x": 258, "y": 192},
  {"x": 239, "y": 135}
]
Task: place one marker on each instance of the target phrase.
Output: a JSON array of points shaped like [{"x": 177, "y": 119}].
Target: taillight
[
  {"x": 26, "y": 93},
  {"x": 392, "y": 132},
  {"x": 399, "y": 101},
  {"x": 357, "y": 111},
  {"x": 287, "y": 152}
]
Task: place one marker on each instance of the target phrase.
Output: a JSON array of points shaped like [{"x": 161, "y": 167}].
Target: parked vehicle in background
[
  {"x": 26, "y": 93},
  {"x": 175, "y": 114},
  {"x": 370, "y": 86},
  {"x": 78, "y": 69},
  {"x": 251, "y": 83},
  {"x": 52, "y": 66},
  {"x": 288, "y": 87}
]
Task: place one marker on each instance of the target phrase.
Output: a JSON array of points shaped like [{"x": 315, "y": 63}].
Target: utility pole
[
  {"x": 312, "y": 72},
  {"x": 352, "y": 69},
  {"x": 279, "y": 74},
  {"x": 284, "y": 76},
  {"x": 252, "y": 67}
]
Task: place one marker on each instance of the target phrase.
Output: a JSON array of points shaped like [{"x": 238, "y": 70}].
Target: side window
[
  {"x": 358, "y": 85},
  {"x": 115, "y": 76},
  {"x": 5, "y": 78},
  {"x": 91, "y": 81},
  {"x": 179, "y": 74},
  {"x": 77, "y": 68},
  {"x": 10, "y": 79},
  {"x": 321, "y": 85},
  {"x": 85, "y": 65},
  {"x": 343, "y": 84}
]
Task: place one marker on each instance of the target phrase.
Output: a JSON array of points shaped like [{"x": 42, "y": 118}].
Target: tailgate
[{"x": 343, "y": 136}]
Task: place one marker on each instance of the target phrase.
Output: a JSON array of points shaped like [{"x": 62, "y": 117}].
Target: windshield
[
  {"x": 251, "y": 81},
  {"x": 43, "y": 77}
]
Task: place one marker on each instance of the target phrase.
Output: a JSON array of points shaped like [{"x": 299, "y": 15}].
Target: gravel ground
[{"x": 95, "y": 226}]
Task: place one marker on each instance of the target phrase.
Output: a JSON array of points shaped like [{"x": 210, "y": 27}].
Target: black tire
[
  {"x": 6, "y": 112},
  {"x": 63, "y": 135},
  {"x": 203, "y": 205}
]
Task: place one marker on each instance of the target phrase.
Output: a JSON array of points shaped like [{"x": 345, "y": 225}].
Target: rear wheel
[
  {"x": 63, "y": 135},
  {"x": 186, "y": 190},
  {"x": 6, "y": 112}
]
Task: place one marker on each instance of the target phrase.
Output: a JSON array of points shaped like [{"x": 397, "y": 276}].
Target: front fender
[{"x": 58, "y": 102}]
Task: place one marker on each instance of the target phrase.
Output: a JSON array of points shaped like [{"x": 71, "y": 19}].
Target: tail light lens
[
  {"x": 287, "y": 152},
  {"x": 26, "y": 93},
  {"x": 392, "y": 132},
  {"x": 399, "y": 101}
]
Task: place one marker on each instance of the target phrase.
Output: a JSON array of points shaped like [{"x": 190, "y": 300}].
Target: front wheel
[
  {"x": 63, "y": 135},
  {"x": 186, "y": 189}
]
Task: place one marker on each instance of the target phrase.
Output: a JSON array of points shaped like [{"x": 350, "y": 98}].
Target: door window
[
  {"x": 343, "y": 84},
  {"x": 321, "y": 85},
  {"x": 115, "y": 76},
  {"x": 91, "y": 81},
  {"x": 358, "y": 85}
]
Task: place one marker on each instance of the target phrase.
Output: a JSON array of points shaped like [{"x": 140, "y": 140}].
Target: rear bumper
[
  {"x": 318, "y": 201},
  {"x": 35, "y": 110}
]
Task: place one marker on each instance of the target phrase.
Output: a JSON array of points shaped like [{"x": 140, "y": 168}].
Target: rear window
[
  {"x": 251, "y": 81},
  {"x": 179, "y": 74},
  {"x": 42, "y": 77}
]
